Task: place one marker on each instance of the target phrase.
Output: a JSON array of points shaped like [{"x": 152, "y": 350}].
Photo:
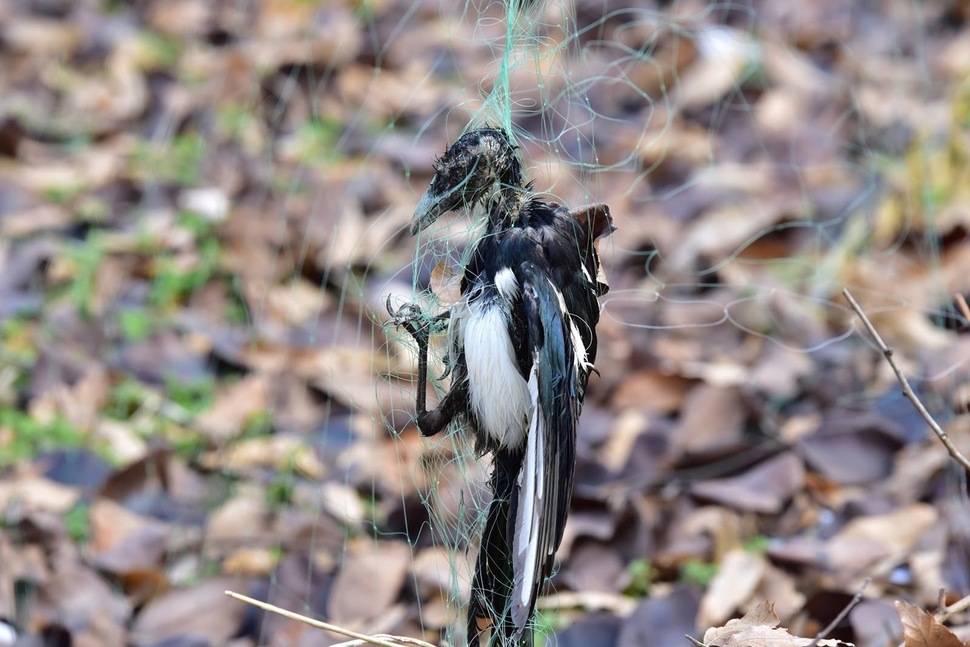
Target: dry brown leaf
[
  {"x": 79, "y": 403},
  {"x": 435, "y": 570},
  {"x": 735, "y": 582},
  {"x": 122, "y": 540},
  {"x": 342, "y": 502},
  {"x": 369, "y": 581},
  {"x": 921, "y": 629},
  {"x": 293, "y": 304},
  {"x": 250, "y": 562},
  {"x": 876, "y": 543},
  {"x": 781, "y": 588},
  {"x": 281, "y": 452},
  {"x": 446, "y": 283},
  {"x": 765, "y": 488},
  {"x": 180, "y": 17},
  {"x": 712, "y": 418},
  {"x": 652, "y": 391},
  {"x": 238, "y": 520},
  {"x": 725, "y": 53},
  {"x": 203, "y": 610},
  {"x": 33, "y": 492},
  {"x": 127, "y": 445},
  {"x": 233, "y": 405},
  {"x": 758, "y": 628}
]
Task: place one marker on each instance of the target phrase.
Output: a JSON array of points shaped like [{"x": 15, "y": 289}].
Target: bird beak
[{"x": 427, "y": 211}]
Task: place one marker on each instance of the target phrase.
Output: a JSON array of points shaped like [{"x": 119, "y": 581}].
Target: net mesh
[{"x": 757, "y": 157}]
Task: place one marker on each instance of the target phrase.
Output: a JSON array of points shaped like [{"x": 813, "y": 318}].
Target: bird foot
[{"x": 419, "y": 325}]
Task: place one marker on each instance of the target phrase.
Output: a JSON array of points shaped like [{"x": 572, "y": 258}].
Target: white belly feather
[{"x": 499, "y": 394}]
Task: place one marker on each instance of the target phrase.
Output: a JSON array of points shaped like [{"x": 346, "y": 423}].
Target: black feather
[{"x": 548, "y": 310}]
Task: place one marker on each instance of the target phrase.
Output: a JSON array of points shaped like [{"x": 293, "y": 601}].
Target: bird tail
[{"x": 490, "y": 607}]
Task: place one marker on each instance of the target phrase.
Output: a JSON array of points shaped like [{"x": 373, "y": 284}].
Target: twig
[
  {"x": 887, "y": 352},
  {"x": 383, "y": 641},
  {"x": 856, "y": 599},
  {"x": 955, "y": 608},
  {"x": 962, "y": 306}
]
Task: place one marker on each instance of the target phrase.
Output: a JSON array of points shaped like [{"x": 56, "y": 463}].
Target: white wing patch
[
  {"x": 499, "y": 394},
  {"x": 507, "y": 284}
]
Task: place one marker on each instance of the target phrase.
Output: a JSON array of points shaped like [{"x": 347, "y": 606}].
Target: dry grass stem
[{"x": 383, "y": 640}]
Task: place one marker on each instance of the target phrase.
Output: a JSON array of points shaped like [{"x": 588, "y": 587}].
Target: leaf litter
[{"x": 202, "y": 206}]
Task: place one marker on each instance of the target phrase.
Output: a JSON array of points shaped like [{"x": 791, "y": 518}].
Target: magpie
[{"x": 522, "y": 341}]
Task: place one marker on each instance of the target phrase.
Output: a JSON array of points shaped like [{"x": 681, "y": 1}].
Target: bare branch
[
  {"x": 887, "y": 352},
  {"x": 955, "y": 608},
  {"x": 962, "y": 306},
  {"x": 856, "y": 599}
]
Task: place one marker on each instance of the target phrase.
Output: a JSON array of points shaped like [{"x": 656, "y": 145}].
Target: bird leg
[{"x": 419, "y": 326}]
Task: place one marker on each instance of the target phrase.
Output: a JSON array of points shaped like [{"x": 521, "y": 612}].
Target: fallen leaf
[
  {"x": 122, "y": 541},
  {"x": 369, "y": 581},
  {"x": 32, "y": 492},
  {"x": 238, "y": 520},
  {"x": 284, "y": 452},
  {"x": 250, "y": 562},
  {"x": 759, "y": 628},
  {"x": 765, "y": 488},
  {"x": 877, "y": 543},
  {"x": 712, "y": 418},
  {"x": 921, "y": 629},
  {"x": 736, "y": 580},
  {"x": 203, "y": 610},
  {"x": 445, "y": 283},
  {"x": 234, "y": 405}
]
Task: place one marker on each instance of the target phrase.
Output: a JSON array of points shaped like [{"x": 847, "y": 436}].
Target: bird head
[{"x": 466, "y": 173}]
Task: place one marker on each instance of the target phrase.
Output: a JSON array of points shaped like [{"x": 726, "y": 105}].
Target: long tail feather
[{"x": 490, "y": 605}]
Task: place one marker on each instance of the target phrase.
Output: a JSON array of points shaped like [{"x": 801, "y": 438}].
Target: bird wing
[{"x": 545, "y": 479}]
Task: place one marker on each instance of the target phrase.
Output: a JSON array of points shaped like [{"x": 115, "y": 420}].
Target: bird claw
[
  {"x": 410, "y": 317},
  {"x": 405, "y": 316}
]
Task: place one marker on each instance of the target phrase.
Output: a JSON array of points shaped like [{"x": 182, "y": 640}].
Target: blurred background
[{"x": 204, "y": 205}]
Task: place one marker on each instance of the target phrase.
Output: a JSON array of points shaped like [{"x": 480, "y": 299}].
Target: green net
[{"x": 204, "y": 207}]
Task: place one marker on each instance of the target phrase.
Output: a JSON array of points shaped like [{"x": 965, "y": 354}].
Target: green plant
[
  {"x": 22, "y": 437},
  {"x": 171, "y": 284},
  {"x": 237, "y": 310},
  {"x": 87, "y": 258},
  {"x": 158, "y": 51},
  {"x": 757, "y": 545},
  {"x": 17, "y": 345},
  {"x": 316, "y": 140},
  {"x": 178, "y": 162},
  {"x": 642, "y": 575},
  {"x": 546, "y": 624},
  {"x": 279, "y": 490},
  {"x": 189, "y": 444},
  {"x": 195, "y": 396},
  {"x": 698, "y": 573},
  {"x": 77, "y": 521},
  {"x": 125, "y": 399},
  {"x": 256, "y": 425},
  {"x": 135, "y": 323},
  {"x": 63, "y": 194}
]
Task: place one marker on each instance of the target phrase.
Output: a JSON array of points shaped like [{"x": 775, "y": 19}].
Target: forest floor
[{"x": 204, "y": 205}]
